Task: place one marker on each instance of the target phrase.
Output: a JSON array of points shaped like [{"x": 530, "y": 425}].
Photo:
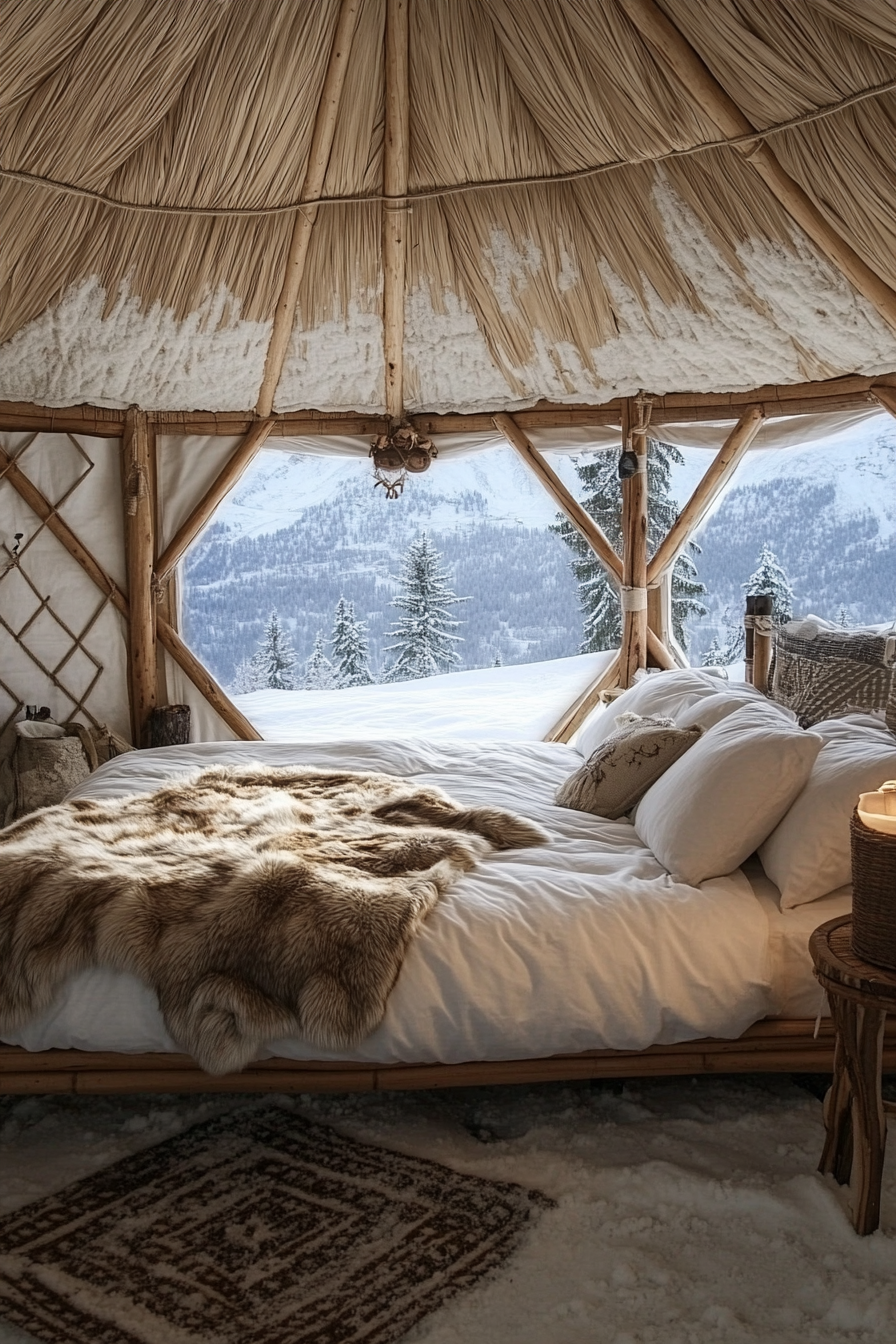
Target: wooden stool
[{"x": 855, "y": 1115}]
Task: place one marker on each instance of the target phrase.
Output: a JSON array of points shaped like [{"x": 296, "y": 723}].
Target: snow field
[{"x": 688, "y": 1211}]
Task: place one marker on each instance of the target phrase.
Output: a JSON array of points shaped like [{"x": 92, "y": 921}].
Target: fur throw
[{"x": 256, "y": 902}]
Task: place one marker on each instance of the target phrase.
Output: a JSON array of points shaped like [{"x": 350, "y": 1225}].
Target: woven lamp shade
[{"x": 873, "y": 895}]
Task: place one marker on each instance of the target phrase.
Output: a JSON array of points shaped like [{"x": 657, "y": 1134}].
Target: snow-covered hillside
[{"x": 510, "y": 704}]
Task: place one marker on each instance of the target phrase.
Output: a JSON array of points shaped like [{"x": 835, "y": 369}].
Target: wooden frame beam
[
  {"x": 575, "y": 715},
  {"x": 718, "y": 475},
  {"x": 886, "y": 396},
  {"x": 306, "y": 216},
  {"x": 139, "y": 546},
  {"x": 852, "y": 392},
  {"x": 673, "y": 50},
  {"x": 396, "y": 146},
  {"x": 167, "y": 635},
  {"x": 581, "y": 521},
  {"x": 774, "y": 1045},
  {"x": 223, "y": 483}
]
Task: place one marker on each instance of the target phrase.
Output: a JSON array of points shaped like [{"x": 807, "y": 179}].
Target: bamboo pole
[
  {"x": 886, "y": 396},
  {"x": 167, "y": 635},
  {"x": 165, "y": 598},
  {"x": 139, "y": 542},
  {"x": 236, "y": 465},
  {"x": 674, "y": 50},
  {"x": 658, "y": 651},
  {"x": 205, "y": 683},
  {"x": 633, "y": 653},
  {"x": 581, "y": 521},
  {"x": 572, "y": 718},
  {"x": 396, "y": 148},
  {"x": 718, "y": 475},
  {"x": 306, "y": 215}
]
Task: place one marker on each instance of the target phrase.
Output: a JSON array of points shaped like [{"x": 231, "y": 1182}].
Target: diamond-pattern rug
[{"x": 257, "y": 1227}]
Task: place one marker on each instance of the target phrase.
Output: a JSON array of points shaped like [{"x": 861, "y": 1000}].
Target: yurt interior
[{"x": 540, "y": 998}]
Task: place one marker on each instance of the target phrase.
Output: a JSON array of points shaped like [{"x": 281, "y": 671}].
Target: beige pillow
[{"x": 621, "y": 770}]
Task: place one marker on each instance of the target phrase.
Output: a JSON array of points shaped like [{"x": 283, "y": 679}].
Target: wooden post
[
  {"x": 720, "y": 471},
  {"x": 219, "y": 489},
  {"x": 581, "y": 521},
  {"x": 762, "y": 640},
  {"x": 139, "y": 537},
  {"x": 395, "y": 212},
  {"x": 662, "y": 647},
  {"x": 633, "y": 653},
  {"x": 306, "y": 215},
  {"x": 672, "y": 49}
]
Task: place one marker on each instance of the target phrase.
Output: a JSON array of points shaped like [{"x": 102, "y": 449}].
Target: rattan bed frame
[{"x": 774, "y": 1045}]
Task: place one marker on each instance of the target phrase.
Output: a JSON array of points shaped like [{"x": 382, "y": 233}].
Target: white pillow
[
  {"x": 659, "y": 695},
  {"x": 706, "y": 713},
  {"x": 715, "y": 805},
  {"x": 808, "y": 853}
]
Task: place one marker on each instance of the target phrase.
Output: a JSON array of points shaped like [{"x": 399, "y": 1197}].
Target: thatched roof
[{"x": 570, "y": 235}]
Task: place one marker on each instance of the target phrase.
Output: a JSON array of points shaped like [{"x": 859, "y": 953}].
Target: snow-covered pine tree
[
  {"x": 423, "y": 637},
  {"x": 318, "y": 669},
  {"x": 245, "y": 677},
  {"x": 714, "y": 655},
  {"x": 602, "y": 625},
  {"x": 769, "y": 577},
  {"x": 351, "y": 649},
  {"x": 273, "y": 662}
]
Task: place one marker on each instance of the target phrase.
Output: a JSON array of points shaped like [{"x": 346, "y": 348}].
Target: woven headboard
[{"x": 822, "y": 671}]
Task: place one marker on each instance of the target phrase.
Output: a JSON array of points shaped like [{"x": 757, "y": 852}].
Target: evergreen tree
[
  {"x": 245, "y": 677},
  {"x": 351, "y": 648},
  {"x": 318, "y": 669},
  {"x": 499, "y": 661},
  {"x": 714, "y": 655},
  {"x": 599, "y": 601},
  {"x": 423, "y": 636},
  {"x": 769, "y": 577},
  {"x": 735, "y": 640},
  {"x": 272, "y": 665}
]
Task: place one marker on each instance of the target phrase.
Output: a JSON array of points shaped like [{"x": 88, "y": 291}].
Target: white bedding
[{"x": 583, "y": 944}]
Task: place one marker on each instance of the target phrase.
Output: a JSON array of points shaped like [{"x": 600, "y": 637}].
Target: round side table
[{"x": 855, "y": 1115}]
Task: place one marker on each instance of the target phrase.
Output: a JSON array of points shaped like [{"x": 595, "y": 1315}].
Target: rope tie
[
  {"x": 763, "y": 625},
  {"x": 137, "y": 487},
  {"x": 633, "y": 599}
]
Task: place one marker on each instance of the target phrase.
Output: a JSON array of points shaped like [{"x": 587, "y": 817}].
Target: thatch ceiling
[{"x": 139, "y": 136}]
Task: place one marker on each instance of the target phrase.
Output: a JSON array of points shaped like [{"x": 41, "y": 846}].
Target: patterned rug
[{"x": 254, "y": 1228}]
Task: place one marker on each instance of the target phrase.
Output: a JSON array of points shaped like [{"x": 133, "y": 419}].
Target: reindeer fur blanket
[{"x": 256, "y": 902}]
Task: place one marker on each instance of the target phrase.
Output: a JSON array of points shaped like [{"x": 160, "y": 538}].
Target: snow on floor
[
  {"x": 508, "y": 704},
  {"x": 688, "y": 1211}
]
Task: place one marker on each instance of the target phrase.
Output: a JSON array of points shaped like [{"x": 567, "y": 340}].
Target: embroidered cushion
[{"x": 622, "y": 768}]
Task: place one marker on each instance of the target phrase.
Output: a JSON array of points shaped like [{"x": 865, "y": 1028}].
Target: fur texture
[{"x": 257, "y": 903}]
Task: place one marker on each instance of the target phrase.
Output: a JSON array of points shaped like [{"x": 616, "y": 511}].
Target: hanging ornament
[{"x": 394, "y": 454}]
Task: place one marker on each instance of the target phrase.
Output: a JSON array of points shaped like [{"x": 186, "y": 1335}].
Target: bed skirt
[{"x": 775, "y": 1045}]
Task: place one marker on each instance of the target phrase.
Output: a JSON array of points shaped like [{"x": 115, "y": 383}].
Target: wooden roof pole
[
  {"x": 673, "y": 50},
  {"x": 581, "y": 521},
  {"x": 189, "y": 530},
  {"x": 200, "y": 677},
  {"x": 719, "y": 473},
  {"x": 396, "y": 148},
  {"x": 139, "y": 544},
  {"x": 312, "y": 188}
]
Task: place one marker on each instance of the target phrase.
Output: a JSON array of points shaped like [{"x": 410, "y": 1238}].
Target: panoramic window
[{"x": 311, "y": 580}]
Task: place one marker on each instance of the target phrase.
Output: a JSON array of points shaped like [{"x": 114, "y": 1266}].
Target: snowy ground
[
  {"x": 688, "y": 1211},
  {"x": 508, "y": 704}
]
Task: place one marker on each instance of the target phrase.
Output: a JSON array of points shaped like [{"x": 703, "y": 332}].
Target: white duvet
[{"x": 585, "y": 943}]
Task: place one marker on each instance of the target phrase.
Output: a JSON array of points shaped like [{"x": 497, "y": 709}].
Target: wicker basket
[{"x": 873, "y": 895}]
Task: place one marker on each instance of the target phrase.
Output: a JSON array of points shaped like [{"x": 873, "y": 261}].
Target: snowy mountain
[{"x": 299, "y": 531}]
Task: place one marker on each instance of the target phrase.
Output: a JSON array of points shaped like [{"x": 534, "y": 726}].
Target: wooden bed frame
[{"x": 774, "y": 1045}]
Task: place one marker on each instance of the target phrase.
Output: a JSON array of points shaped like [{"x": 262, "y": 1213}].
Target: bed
[{"x": 580, "y": 958}]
